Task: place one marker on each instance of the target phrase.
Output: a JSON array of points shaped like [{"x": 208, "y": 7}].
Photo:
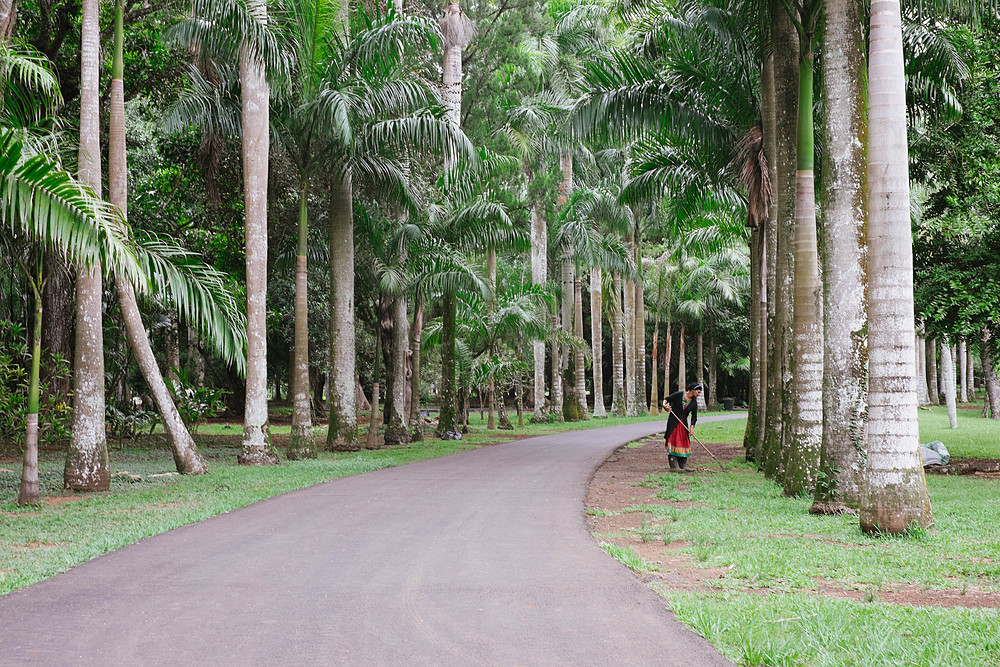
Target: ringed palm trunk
[
  {"x": 786, "y": 104},
  {"x": 447, "y": 419},
  {"x": 580, "y": 371},
  {"x": 923, "y": 395},
  {"x": 666, "y": 359},
  {"x": 597, "y": 342},
  {"x": 654, "y": 394},
  {"x": 948, "y": 372},
  {"x": 617, "y": 356},
  {"x": 640, "y": 341},
  {"x": 628, "y": 289},
  {"x": 845, "y": 242},
  {"x": 87, "y": 466},
  {"x": 342, "y": 434},
  {"x": 416, "y": 421},
  {"x": 29, "y": 493},
  {"x": 375, "y": 418},
  {"x": 894, "y": 495},
  {"x": 700, "y": 373},
  {"x": 396, "y": 431},
  {"x": 186, "y": 456},
  {"x": 681, "y": 362},
  {"x": 256, "y": 138},
  {"x": 713, "y": 387},
  {"x": 566, "y": 323},
  {"x": 765, "y": 274},
  {"x": 491, "y": 277},
  {"x": 539, "y": 274},
  {"x": 302, "y": 443},
  {"x": 802, "y": 460}
]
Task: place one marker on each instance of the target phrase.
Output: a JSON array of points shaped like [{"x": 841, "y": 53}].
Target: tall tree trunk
[
  {"x": 396, "y": 431},
  {"x": 87, "y": 467},
  {"x": 580, "y": 372},
  {"x": 256, "y": 139},
  {"x": 894, "y": 495},
  {"x": 566, "y": 324},
  {"x": 556, "y": 397},
  {"x": 699, "y": 376},
  {"x": 597, "y": 341},
  {"x": 654, "y": 394},
  {"x": 8, "y": 18},
  {"x": 990, "y": 379},
  {"x": 751, "y": 435},
  {"x": 375, "y": 416},
  {"x": 845, "y": 240},
  {"x": 491, "y": 279},
  {"x": 803, "y": 458},
  {"x": 713, "y": 386},
  {"x": 342, "y": 434},
  {"x": 932, "y": 376},
  {"x": 617, "y": 352},
  {"x": 628, "y": 299},
  {"x": 640, "y": 341},
  {"x": 29, "y": 493},
  {"x": 963, "y": 367},
  {"x": 666, "y": 360},
  {"x": 923, "y": 396},
  {"x": 416, "y": 421},
  {"x": 539, "y": 274},
  {"x": 765, "y": 250},
  {"x": 302, "y": 443},
  {"x": 682, "y": 375},
  {"x": 948, "y": 373},
  {"x": 786, "y": 76},
  {"x": 186, "y": 456},
  {"x": 447, "y": 417}
]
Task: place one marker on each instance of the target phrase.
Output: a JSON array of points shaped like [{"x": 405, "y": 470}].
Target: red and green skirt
[{"x": 679, "y": 444}]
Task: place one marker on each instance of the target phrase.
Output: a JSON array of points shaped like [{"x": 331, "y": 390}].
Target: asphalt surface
[{"x": 481, "y": 558}]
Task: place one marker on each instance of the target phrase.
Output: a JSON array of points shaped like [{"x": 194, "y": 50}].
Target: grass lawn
[
  {"x": 147, "y": 497},
  {"x": 769, "y": 584}
]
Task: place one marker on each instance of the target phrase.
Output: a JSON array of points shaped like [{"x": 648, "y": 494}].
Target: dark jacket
[{"x": 677, "y": 407}]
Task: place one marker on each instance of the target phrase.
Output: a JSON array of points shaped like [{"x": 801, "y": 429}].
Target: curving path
[{"x": 481, "y": 558}]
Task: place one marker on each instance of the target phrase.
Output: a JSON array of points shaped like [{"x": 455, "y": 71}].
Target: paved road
[{"x": 482, "y": 558}]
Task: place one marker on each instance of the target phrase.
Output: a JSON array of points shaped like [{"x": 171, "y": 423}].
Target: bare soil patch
[{"x": 614, "y": 494}]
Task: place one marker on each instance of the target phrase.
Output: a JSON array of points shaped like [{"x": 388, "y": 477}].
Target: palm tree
[
  {"x": 894, "y": 493},
  {"x": 43, "y": 208},
  {"x": 801, "y": 460},
  {"x": 87, "y": 458},
  {"x": 844, "y": 229},
  {"x": 186, "y": 455}
]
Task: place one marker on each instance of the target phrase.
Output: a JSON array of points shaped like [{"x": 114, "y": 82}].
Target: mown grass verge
[{"x": 769, "y": 584}]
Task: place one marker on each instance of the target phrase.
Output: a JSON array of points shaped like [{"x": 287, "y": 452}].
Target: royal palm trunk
[
  {"x": 963, "y": 379},
  {"x": 29, "y": 493},
  {"x": 597, "y": 342},
  {"x": 617, "y": 353},
  {"x": 256, "y": 139},
  {"x": 845, "y": 242},
  {"x": 302, "y": 443},
  {"x": 396, "y": 431},
  {"x": 803, "y": 456},
  {"x": 579, "y": 369},
  {"x": 539, "y": 274},
  {"x": 786, "y": 76},
  {"x": 186, "y": 456},
  {"x": 894, "y": 494},
  {"x": 948, "y": 373},
  {"x": 932, "y": 374},
  {"x": 342, "y": 434},
  {"x": 416, "y": 421},
  {"x": 87, "y": 460}
]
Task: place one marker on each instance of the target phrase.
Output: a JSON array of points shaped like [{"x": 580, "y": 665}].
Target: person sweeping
[{"x": 682, "y": 405}]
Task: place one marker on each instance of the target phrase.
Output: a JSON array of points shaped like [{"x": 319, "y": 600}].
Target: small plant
[
  {"x": 195, "y": 404},
  {"x": 130, "y": 423}
]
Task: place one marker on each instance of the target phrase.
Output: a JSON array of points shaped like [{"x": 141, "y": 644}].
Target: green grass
[
  {"x": 975, "y": 437},
  {"x": 803, "y": 629},
  {"x": 772, "y": 605}
]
